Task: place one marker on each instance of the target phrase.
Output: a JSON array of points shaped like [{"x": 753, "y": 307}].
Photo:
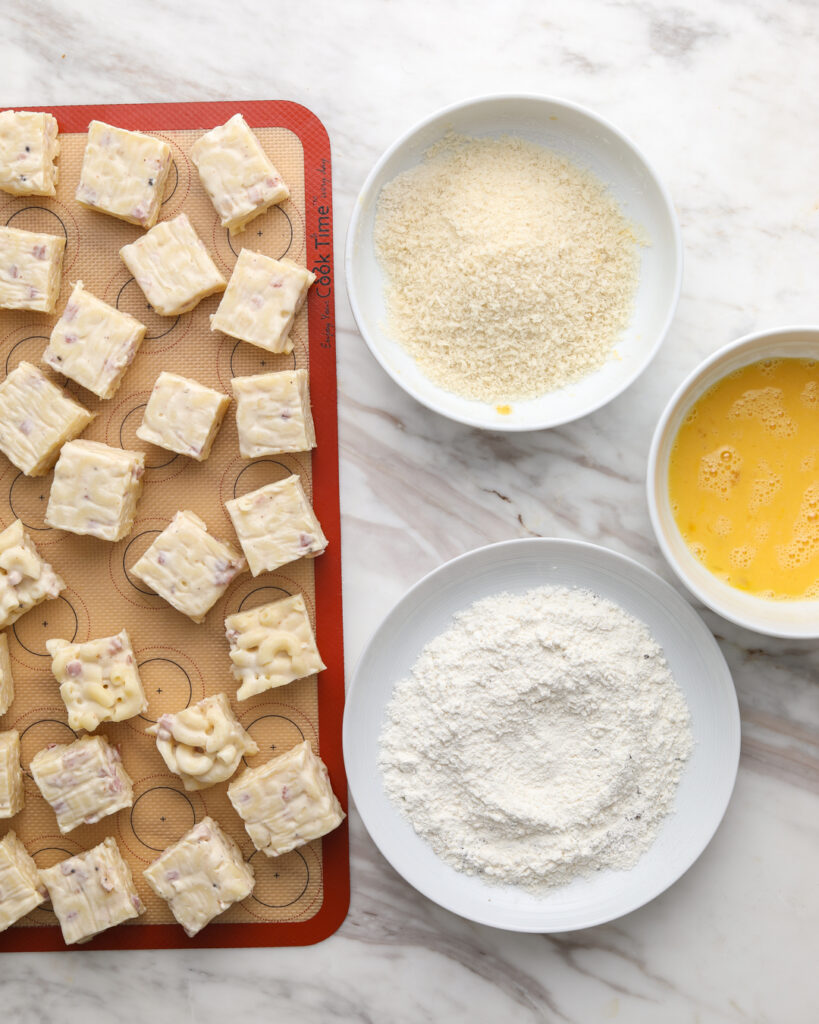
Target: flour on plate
[{"x": 539, "y": 738}]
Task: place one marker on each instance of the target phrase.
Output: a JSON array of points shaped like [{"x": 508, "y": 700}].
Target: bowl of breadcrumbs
[{"x": 514, "y": 262}]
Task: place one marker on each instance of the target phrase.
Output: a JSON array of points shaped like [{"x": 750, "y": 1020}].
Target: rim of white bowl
[
  {"x": 366, "y": 188},
  {"x": 706, "y": 597},
  {"x": 685, "y": 609}
]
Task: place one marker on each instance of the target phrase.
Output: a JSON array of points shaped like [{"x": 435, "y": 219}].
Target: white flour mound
[{"x": 539, "y": 738}]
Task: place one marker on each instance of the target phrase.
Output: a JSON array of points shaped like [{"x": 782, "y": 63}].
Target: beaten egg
[{"x": 743, "y": 479}]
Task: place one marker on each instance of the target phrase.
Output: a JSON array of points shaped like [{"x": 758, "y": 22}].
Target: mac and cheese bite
[
  {"x": 12, "y": 795},
  {"x": 237, "y": 173},
  {"x": 95, "y": 490},
  {"x": 26, "y": 579},
  {"x": 188, "y": 567},
  {"x": 273, "y": 413},
  {"x": 99, "y": 680},
  {"x": 200, "y": 876},
  {"x": 287, "y": 802},
  {"x": 83, "y": 781},
  {"x": 28, "y": 149},
  {"x": 123, "y": 173},
  {"x": 93, "y": 343},
  {"x": 92, "y": 892},
  {"x": 31, "y": 267},
  {"x": 6, "y": 677},
  {"x": 276, "y": 525},
  {"x": 204, "y": 743},
  {"x": 21, "y": 888},
  {"x": 271, "y": 646},
  {"x": 36, "y": 419},
  {"x": 172, "y": 267},
  {"x": 262, "y": 299},
  {"x": 183, "y": 416}
]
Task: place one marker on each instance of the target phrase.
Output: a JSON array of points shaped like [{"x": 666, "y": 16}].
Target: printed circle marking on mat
[
  {"x": 240, "y": 359},
  {"x": 43, "y": 732},
  {"x": 131, "y": 299},
  {"x": 280, "y": 881},
  {"x": 27, "y": 349},
  {"x": 247, "y": 360},
  {"x": 300, "y": 351},
  {"x": 166, "y": 683},
  {"x": 50, "y": 222},
  {"x": 254, "y": 591},
  {"x": 51, "y": 619},
  {"x": 161, "y": 815},
  {"x": 178, "y": 182},
  {"x": 259, "y": 473},
  {"x": 262, "y": 595},
  {"x": 271, "y": 233},
  {"x": 48, "y": 856},
  {"x": 276, "y": 734},
  {"x": 134, "y": 550},
  {"x": 28, "y": 500},
  {"x": 38, "y": 218},
  {"x": 172, "y": 182}
]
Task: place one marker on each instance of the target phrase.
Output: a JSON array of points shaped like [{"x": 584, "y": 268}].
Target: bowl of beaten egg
[
  {"x": 488, "y": 263},
  {"x": 733, "y": 482}
]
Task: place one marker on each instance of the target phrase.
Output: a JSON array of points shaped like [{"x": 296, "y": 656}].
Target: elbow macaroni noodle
[
  {"x": 271, "y": 646},
  {"x": 99, "y": 680},
  {"x": 204, "y": 743}
]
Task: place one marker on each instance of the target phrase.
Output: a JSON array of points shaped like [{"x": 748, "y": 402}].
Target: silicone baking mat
[{"x": 301, "y": 897}]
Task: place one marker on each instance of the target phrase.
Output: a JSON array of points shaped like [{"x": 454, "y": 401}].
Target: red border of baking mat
[{"x": 321, "y": 333}]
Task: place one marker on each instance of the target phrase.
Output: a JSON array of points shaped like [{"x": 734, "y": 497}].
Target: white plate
[
  {"x": 698, "y": 666},
  {"x": 593, "y": 143}
]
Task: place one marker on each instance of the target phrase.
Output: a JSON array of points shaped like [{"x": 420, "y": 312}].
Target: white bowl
[
  {"x": 792, "y": 619},
  {"x": 698, "y": 666},
  {"x": 589, "y": 141}
]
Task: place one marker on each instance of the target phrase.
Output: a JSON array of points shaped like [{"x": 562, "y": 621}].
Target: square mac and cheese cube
[
  {"x": 12, "y": 796},
  {"x": 92, "y": 892},
  {"x": 28, "y": 149},
  {"x": 21, "y": 888},
  {"x": 95, "y": 490},
  {"x": 99, "y": 680},
  {"x": 188, "y": 567},
  {"x": 204, "y": 743},
  {"x": 123, "y": 173},
  {"x": 172, "y": 267},
  {"x": 273, "y": 413},
  {"x": 6, "y": 678},
  {"x": 261, "y": 301},
  {"x": 183, "y": 416},
  {"x": 200, "y": 876},
  {"x": 93, "y": 343},
  {"x": 36, "y": 420},
  {"x": 287, "y": 802},
  {"x": 237, "y": 175},
  {"x": 30, "y": 269},
  {"x": 83, "y": 781},
  {"x": 25, "y": 579},
  {"x": 272, "y": 645},
  {"x": 276, "y": 525}
]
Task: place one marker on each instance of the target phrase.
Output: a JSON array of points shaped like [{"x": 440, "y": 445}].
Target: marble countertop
[{"x": 723, "y": 97}]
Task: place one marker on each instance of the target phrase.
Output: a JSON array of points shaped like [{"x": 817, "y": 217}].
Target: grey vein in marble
[{"x": 723, "y": 97}]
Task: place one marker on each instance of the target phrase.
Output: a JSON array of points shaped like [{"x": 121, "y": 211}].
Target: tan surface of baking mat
[{"x": 302, "y": 896}]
